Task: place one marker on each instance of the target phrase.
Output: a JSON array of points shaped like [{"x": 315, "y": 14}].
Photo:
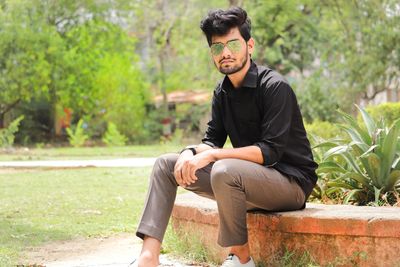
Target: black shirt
[{"x": 264, "y": 112}]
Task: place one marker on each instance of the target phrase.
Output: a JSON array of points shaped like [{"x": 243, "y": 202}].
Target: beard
[{"x": 234, "y": 68}]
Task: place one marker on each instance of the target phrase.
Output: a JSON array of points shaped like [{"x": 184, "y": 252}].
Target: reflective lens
[
  {"x": 217, "y": 48},
  {"x": 233, "y": 45}
]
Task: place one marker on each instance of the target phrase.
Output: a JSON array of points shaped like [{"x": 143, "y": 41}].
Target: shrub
[
  {"x": 113, "y": 137},
  {"x": 386, "y": 111},
  {"x": 321, "y": 130},
  {"x": 7, "y": 135},
  {"x": 363, "y": 167},
  {"x": 77, "y": 137},
  {"x": 316, "y": 100}
]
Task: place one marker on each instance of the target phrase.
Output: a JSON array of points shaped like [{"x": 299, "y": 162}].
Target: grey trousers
[{"x": 237, "y": 185}]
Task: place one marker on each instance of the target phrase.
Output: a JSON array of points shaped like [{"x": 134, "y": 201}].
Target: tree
[
  {"x": 285, "y": 32},
  {"x": 58, "y": 50},
  {"x": 23, "y": 66},
  {"x": 363, "y": 49}
]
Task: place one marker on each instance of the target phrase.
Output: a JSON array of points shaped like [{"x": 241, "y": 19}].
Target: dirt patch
[{"x": 116, "y": 250}]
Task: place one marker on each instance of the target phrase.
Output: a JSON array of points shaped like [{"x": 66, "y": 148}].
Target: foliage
[
  {"x": 364, "y": 167},
  {"x": 175, "y": 139},
  {"x": 35, "y": 128},
  {"x": 360, "y": 47},
  {"x": 122, "y": 94},
  {"x": 386, "y": 111},
  {"x": 7, "y": 135},
  {"x": 284, "y": 32},
  {"x": 74, "y": 53},
  {"x": 318, "y": 130},
  {"x": 317, "y": 102},
  {"x": 189, "y": 116},
  {"x": 152, "y": 126},
  {"x": 77, "y": 137},
  {"x": 175, "y": 56},
  {"x": 347, "y": 50},
  {"x": 25, "y": 72},
  {"x": 113, "y": 137},
  {"x": 62, "y": 54}
]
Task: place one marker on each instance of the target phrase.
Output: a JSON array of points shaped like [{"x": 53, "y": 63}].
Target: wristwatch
[{"x": 191, "y": 148}]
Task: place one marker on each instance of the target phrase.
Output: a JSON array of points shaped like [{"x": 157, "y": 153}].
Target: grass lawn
[
  {"x": 65, "y": 153},
  {"x": 42, "y": 205}
]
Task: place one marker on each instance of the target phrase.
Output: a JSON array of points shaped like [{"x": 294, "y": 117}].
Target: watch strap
[{"x": 191, "y": 149}]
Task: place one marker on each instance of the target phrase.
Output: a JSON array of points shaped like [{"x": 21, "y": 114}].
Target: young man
[{"x": 271, "y": 166}]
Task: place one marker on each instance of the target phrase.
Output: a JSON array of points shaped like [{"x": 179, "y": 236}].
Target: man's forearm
[
  {"x": 202, "y": 147},
  {"x": 250, "y": 153}
]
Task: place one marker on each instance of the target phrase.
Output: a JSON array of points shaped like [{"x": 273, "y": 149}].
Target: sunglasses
[{"x": 233, "y": 45}]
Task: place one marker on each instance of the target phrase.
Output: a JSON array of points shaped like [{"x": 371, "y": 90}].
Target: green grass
[
  {"x": 189, "y": 246},
  {"x": 64, "y": 153},
  {"x": 39, "y": 205}
]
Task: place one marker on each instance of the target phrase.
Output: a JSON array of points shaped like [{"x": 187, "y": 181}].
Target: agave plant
[{"x": 365, "y": 165}]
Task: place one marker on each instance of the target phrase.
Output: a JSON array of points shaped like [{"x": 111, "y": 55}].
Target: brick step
[{"x": 342, "y": 234}]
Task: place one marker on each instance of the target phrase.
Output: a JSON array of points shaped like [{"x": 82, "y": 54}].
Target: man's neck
[{"x": 238, "y": 77}]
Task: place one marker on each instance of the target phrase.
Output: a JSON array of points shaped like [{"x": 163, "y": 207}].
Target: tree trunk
[
  {"x": 5, "y": 110},
  {"x": 2, "y": 120},
  {"x": 235, "y": 2},
  {"x": 163, "y": 86},
  {"x": 53, "y": 116}
]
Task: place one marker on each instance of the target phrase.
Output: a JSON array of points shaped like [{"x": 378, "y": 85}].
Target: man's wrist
[
  {"x": 191, "y": 148},
  {"x": 213, "y": 153}
]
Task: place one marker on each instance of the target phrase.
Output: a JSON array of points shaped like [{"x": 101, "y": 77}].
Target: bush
[
  {"x": 123, "y": 94},
  {"x": 113, "y": 137},
  {"x": 363, "y": 167},
  {"x": 389, "y": 112},
  {"x": 77, "y": 137},
  {"x": 316, "y": 100},
  {"x": 321, "y": 130},
  {"x": 7, "y": 135}
]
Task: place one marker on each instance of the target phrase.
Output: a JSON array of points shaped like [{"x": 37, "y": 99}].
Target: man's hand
[
  {"x": 184, "y": 157},
  {"x": 187, "y": 165}
]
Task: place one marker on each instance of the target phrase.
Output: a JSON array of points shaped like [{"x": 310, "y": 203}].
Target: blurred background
[{"x": 95, "y": 72}]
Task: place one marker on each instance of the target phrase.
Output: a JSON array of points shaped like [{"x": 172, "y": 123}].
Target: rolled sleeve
[
  {"x": 215, "y": 135},
  {"x": 278, "y": 104}
]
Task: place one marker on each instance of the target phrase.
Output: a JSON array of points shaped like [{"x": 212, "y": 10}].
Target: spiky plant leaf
[{"x": 368, "y": 121}]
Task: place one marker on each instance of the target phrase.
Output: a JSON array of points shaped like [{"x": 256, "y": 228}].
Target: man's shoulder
[
  {"x": 269, "y": 77},
  {"x": 218, "y": 88}
]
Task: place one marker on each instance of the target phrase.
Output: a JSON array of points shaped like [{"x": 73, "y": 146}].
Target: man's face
[{"x": 230, "y": 52}]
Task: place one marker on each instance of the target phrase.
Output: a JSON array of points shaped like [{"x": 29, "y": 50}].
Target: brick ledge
[{"x": 326, "y": 231}]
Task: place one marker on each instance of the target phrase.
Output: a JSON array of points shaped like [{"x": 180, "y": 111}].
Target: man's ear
[{"x": 250, "y": 45}]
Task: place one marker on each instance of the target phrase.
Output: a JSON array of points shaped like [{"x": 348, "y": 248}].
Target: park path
[{"x": 122, "y": 162}]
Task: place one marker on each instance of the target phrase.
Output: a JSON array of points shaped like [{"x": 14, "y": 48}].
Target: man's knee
[
  {"x": 165, "y": 163},
  {"x": 166, "y": 160},
  {"x": 224, "y": 173}
]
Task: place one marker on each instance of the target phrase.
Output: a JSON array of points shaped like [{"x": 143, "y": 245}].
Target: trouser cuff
[
  {"x": 234, "y": 241},
  {"x": 147, "y": 230}
]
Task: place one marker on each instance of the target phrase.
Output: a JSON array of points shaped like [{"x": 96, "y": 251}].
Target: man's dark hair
[{"x": 219, "y": 22}]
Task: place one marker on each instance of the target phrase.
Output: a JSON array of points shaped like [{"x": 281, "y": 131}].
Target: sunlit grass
[
  {"x": 38, "y": 206},
  {"x": 65, "y": 153}
]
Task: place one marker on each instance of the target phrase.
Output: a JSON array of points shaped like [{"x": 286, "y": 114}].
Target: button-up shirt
[{"x": 263, "y": 112}]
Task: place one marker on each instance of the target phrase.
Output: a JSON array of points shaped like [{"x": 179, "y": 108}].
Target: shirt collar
[{"x": 250, "y": 79}]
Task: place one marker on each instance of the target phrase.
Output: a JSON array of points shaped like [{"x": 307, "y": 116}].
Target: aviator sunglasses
[{"x": 233, "y": 45}]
